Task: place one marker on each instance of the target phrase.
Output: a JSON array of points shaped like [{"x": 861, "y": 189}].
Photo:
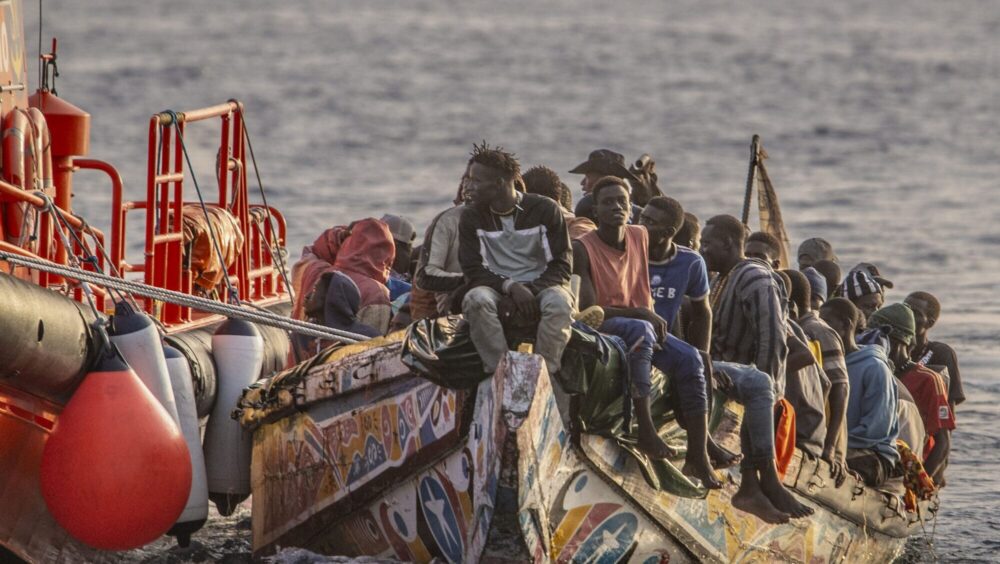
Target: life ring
[
  {"x": 43, "y": 146},
  {"x": 19, "y": 170}
]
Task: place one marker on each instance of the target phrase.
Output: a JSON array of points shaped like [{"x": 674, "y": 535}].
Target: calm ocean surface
[{"x": 881, "y": 120}]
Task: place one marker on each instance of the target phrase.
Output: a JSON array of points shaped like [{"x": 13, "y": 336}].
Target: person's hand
[
  {"x": 722, "y": 380},
  {"x": 524, "y": 300},
  {"x": 659, "y": 324},
  {"x": 838, "y": 467}
]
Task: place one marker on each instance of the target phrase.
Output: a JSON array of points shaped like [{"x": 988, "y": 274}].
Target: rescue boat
[{"x": 205, "y": 249}]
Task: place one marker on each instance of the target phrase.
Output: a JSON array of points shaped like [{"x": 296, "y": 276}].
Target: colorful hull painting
[
  {"x": 586, "y": 503},
  {"x": 567, "y": 511},
  {"x": 308, "y": 462},
  {"x": 440, "y": 507},
  {"x": 595, "y": 505}
]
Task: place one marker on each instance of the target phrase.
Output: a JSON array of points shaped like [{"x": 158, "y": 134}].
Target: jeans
[
  {"x": 682, "y": 363},
  {"x": 480, "y": 310},
  {"x": 755, "y": 391},
  {"x": 634, "y": 331}
]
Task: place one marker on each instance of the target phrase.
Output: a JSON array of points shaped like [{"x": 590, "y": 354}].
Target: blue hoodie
[{"x": 872, "y": 402}]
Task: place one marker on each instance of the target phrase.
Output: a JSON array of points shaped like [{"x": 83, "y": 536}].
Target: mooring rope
[{"x": 262, "y": 317}]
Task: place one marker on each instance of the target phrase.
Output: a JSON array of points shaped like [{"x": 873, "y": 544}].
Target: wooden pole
[{"x": 751, "y": 177}]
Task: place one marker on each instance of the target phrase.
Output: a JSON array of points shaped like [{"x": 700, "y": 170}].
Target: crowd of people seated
[{"x": 709, "y": 304}]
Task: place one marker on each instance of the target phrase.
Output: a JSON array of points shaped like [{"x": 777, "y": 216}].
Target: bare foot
[
  {"x": 653, "y": 446},
  {"x": 702, "y": 470},
  {"x": 755, "y": 503},
  {"x": 720, "y": 457},
  {"x": 784, "y": 500}
]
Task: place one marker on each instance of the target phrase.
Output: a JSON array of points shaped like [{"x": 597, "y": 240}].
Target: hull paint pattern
[
  {"x": 444, "y": 511},
  {"x": 302, "y": 466},
  {"x": 567, "y": 512}
]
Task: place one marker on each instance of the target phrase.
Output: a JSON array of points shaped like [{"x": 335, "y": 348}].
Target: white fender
[
  {"x": 238, "y": 350},
  {"x": 196, "y": 511},
  {"x": 139, "y": 342}
]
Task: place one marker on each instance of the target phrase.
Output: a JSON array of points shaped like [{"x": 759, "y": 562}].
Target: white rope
[{"x": 262, "y": 317}]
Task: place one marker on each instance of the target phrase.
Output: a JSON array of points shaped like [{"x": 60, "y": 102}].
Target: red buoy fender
[{"x": 115, "y": 470}]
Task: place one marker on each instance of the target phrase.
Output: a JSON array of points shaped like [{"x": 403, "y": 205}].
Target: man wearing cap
[
  {"x": 924, "y": 385},
  {"x": 872, "y": 402},
  {"x": 601, "y": 163},
  {"x": 514, "y": 249},
  {"x": 813, "y": 250},
  {"x": 834, "y": 442}
]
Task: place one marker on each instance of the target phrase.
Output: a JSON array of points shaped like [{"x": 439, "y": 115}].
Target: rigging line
[
  {"x": 202, "y": 304},
  {"x": 62, "y": 236},
  {"x": 91, "y": 258},
  {"x": 107, "y": 259},
  {"x": 41, "y": 66},
  {"x": 61, "y": 222},
  {"x": 267, "y": 207},
  {"x": 234, "y": 296}
]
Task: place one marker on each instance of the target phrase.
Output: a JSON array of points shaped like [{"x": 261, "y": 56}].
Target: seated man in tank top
[{"x": 613, "y": 264}]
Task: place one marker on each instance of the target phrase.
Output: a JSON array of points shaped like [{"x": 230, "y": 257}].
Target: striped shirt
[
  {"x": 748, "y": 320},
  {"x": 831, "y": 348}
]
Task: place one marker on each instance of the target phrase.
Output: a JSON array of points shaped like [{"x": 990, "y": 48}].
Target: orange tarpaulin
[{"x": 784, "y": 435}]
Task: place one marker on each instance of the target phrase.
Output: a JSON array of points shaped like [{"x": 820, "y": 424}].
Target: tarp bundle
[
  {"x": 593, "y": 369},
  {"x": 202, "y": 258}
]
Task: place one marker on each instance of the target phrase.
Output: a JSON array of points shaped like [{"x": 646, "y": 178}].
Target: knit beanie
[
  {"x": 817, "y": 282},
  {"x": 898, "y": 318},
  {"x": 859, "y": 283}
]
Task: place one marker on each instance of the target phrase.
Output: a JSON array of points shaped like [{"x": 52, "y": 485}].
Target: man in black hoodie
[{"x": 513, "y": 245}]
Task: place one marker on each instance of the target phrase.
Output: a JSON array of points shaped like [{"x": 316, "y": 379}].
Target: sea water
[{"x": 880, "y": 119}]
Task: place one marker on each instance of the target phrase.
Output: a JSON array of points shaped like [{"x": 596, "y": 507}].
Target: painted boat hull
[{"x": 574, "y": 502}]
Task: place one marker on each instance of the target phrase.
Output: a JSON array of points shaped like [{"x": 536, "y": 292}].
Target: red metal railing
[
  {"x": 253, "y": 274},
  {"x": 50, "y": 246}
]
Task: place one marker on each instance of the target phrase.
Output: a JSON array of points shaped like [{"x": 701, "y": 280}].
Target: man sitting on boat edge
[
  {"x": 515, "y": 246},
  {"x": 749, "y": 349},
  {"x": 613, "y": 264},
  {"x": 678, "y": 273}
]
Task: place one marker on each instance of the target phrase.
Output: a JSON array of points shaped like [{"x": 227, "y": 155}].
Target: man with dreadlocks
[{"x": 513, "y": 245}]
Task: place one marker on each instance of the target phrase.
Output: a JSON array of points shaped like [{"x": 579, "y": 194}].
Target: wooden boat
[{"x": 354, "y": 455}]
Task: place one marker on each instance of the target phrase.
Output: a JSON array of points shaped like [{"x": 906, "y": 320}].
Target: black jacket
[{"x": 534, "y": 211}]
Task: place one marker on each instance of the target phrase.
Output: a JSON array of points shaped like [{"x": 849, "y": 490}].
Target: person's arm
[
  {"x": 934, "y": 460},
  {"x": 762, "y": 307},
  {"x": 558, "y": 269},
  {"x": 431, "y": 274},
  {"x": 699, "y": 330},
  {"x": 838, "y": 411},
  {"x": 471, "y": 259},
  {"x": 956, "y": 393},
  {"x": 581, "y": 267},
  {"x": 799, "y": 355}
]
